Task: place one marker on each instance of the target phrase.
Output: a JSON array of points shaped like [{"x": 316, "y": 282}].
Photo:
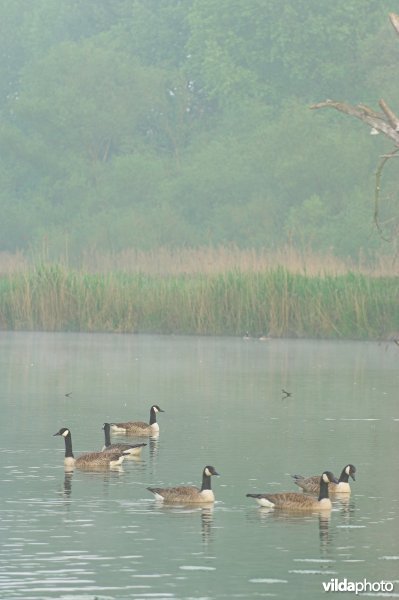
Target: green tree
[{"x": 240, "y": 49}]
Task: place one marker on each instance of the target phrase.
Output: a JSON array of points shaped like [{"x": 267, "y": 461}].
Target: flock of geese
[{"x": 113, "y": 454}]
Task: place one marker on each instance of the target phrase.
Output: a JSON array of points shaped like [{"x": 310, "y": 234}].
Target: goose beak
[
  {"x": 335, "y": 480},
  {"x": 353, "y": 476},
  {"x": 58, "y": 433}
]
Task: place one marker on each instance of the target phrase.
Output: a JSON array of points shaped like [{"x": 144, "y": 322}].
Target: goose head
[{"x": 64, "y": 431}]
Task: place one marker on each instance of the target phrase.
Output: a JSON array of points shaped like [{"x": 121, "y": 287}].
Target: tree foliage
[{"x": 186, "y": 122}]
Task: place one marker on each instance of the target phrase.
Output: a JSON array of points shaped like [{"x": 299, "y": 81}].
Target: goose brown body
[
  {"x": 312, "y": 484},
  {"x": 188, "y": 494},
  {"x": 139, "y": 428},
  {"x": 99, "y": 459},
  {"x": 295, "y": 501}
]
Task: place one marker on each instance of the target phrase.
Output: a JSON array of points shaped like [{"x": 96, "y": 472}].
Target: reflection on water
[
  {"x": 67, "y": 487},
  {"x": 105, "y": 475},
  {"x": 153, "y": 442},
  {"x": 97, "y": 534},
  {"x": 202, "y": 512},
  {"x": 320, "y": 521},
  {"x": 345, "y": 502}
]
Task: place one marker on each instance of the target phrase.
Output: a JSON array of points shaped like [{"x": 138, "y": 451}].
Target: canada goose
[
  {"x": 89, "y": 459},
  {"x": 295, "y": 500},
  {"x": 188, "y": 494},
  {"x": 128, "y": 449},
  {"x": 264, "y": 338},
  {"x": 312, "y": 484},
  {"x": 139, "y": 427}
]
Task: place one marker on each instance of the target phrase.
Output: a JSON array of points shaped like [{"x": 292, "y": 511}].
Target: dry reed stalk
[
  {"x": 211, "y": 260},
  {"x": 13, "y": 263}
]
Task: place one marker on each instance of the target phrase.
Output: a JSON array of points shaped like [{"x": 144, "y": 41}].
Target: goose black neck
[
  {"x": 344, "y": 476},
  {"x": 323, "y": 489},
  {"x": 153, "y": 416},
  {"x": 206, "y": 482},
  {"x": 68, "y": 446},
  {"x": 107, "y": 435}
]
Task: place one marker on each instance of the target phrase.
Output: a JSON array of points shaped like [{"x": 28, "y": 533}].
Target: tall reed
[
  {"x": 273, "y": 302},
  {"x": 206, "y": 260}
]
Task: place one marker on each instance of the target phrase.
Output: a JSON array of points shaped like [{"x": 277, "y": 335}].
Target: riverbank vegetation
[
  {"x": 160, "y": 169},
  {"x": 192, "y": 294}
]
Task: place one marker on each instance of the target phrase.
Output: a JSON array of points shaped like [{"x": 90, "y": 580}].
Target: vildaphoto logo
[{"x": 344, "y": 585}]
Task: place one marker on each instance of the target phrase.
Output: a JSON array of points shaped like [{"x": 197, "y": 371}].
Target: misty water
[{"x": 86, "y": 535}]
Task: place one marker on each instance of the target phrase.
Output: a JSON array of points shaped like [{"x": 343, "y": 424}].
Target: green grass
[{"x": 274, "y": 301}]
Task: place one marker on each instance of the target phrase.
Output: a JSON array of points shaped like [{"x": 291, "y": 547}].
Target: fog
[{"x": 148, "y": 124}]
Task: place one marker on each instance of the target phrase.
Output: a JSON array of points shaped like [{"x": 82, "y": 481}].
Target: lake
[{"x": 100, "y": 535}]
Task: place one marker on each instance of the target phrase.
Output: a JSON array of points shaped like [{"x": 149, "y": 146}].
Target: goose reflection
[
  {"x": 67, "y": 484},
  {"x": 206, "y": 523},
  {"x": 153, "y": 443},
  {"x": 265, "y": 515},
  {"x": 106, "y": 472},
  {"x": 345, "y": 508},
  {"x": 186, "y": 511},
  {"x": 324, "y": 531},
  {"x": 344, "y": 502}
]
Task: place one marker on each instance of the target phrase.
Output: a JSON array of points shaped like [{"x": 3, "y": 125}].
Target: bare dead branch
[
  {"x": 395, "y": 21},
  {"x": 378, "y": 176},
  {"x": 386, "y": 122},
  {"x": 371, "y": 112},
  {"x": 377, "y": 121},
  {"x": 390, "y": 115}
]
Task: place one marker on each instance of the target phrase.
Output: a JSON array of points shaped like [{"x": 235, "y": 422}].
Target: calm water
[{"x": 100, "y": 535}]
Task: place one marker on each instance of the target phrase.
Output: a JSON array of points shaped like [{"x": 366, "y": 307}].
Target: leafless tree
[{"x": 384, "y": 121}]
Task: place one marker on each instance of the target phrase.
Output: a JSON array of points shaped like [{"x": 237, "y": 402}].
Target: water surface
[{"x": 86, "y": 535}]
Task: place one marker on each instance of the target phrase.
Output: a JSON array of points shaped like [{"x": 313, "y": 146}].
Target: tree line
[{"x": 146, "y": 123}]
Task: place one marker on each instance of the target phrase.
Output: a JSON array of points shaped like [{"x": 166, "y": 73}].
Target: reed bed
[
  {"x": 205, "y": 260},
  {"x": 273, "y": 302},
  {"x": 222, "y": 259}
]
